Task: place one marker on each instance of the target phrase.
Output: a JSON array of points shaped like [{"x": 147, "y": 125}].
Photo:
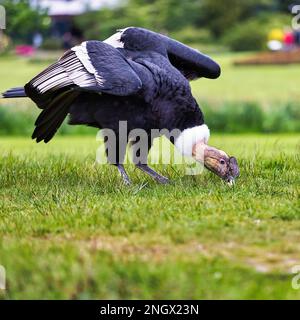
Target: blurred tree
[
  {"x": 158, "y": 15},
  {"x": 219, "y": 16},
  {"x": 191, "y": 21},
  {"x": 23, "y": 20},
  {"x": 251, "y": 35},
  {"x": 285, "y": 5}
]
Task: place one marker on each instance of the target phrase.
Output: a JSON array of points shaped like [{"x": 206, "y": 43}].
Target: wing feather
[
  {"x": 190, "y": 62},
  {"x": 92, "y": 66}
]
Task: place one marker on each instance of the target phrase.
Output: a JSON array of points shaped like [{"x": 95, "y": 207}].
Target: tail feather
[
  {"x": 49, "y": 128},
  {"x": 18, "y": 92},
  {"x": 53, "y": 116},
  {"x": 50, "y": 111}
]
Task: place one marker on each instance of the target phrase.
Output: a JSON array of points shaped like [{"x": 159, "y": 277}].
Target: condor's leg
[
  {"x": 115, "y": 156},
  {"x": 123, "y": 174},
  {"x": 140, "y": 154},
  {"x": 159, "y": 178}
]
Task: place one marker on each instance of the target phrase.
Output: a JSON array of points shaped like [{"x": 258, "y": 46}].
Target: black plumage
[{"x": 136, "y": 76}]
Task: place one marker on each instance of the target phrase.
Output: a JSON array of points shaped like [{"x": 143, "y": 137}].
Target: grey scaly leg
[
  {"x": 123, "y": 174},
  {"x": 159, "y": 178}
]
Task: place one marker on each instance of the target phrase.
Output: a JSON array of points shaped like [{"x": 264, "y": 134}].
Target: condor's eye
[{"x": 222, "y": 161}]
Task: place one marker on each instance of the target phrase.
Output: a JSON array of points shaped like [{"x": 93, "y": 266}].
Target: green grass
[
  {"x": 269, "y": 85},
  {"x": 16, "y": 71},
  {"x": 264, "y": 84},
  {"x": 70, "y": 229}
]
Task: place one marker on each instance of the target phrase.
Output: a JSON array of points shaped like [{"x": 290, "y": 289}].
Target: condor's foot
[
  {"x": 159, "y": 178},
  {"x": 124, "y": 174}
]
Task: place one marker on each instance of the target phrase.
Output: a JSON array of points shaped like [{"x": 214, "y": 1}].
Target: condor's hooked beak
[{"x": 217, "y": 161}]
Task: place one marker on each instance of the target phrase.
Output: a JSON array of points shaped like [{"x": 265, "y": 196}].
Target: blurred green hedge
[
  {"x": 252, "y": 117},
  {"x": 231, "y": 117}
]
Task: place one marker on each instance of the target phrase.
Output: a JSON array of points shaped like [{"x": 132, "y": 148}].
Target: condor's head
[{"x": 193, "y": 142}]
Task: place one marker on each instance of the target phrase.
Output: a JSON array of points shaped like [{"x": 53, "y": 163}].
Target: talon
[
  {"x": 127, "y": 182},
  {"x": 124, "y": 175}
]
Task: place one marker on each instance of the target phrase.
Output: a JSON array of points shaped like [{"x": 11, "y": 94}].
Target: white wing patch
[
  {"x": 51, "y": 78},
  {"x": 77, "y": 71},
  {"x": 83, "y": 56},
  {"x": 115, "y": 39}
]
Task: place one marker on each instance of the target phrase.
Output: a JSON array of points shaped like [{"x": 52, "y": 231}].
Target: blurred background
[{"x": 257, "y": 43}]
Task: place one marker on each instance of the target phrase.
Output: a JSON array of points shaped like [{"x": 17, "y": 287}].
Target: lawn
[
  {"x": 268, "y": 85},
  {"x": 70, "y": 229}
]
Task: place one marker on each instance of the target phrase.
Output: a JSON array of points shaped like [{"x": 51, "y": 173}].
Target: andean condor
[{"x": 137, "y": 76}]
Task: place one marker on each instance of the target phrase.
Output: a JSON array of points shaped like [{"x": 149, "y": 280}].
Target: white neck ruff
[{"x": 189, "y": 137}]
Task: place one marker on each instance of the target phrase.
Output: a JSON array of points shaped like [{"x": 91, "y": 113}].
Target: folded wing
[
  {"x": 92, "y": 66},
  {"x": 190, "y": 62}
]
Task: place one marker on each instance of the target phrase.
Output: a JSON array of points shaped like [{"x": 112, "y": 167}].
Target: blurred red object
[
  {"x": 289, "y": 38},
  {"x": 25, "y": 50}
]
